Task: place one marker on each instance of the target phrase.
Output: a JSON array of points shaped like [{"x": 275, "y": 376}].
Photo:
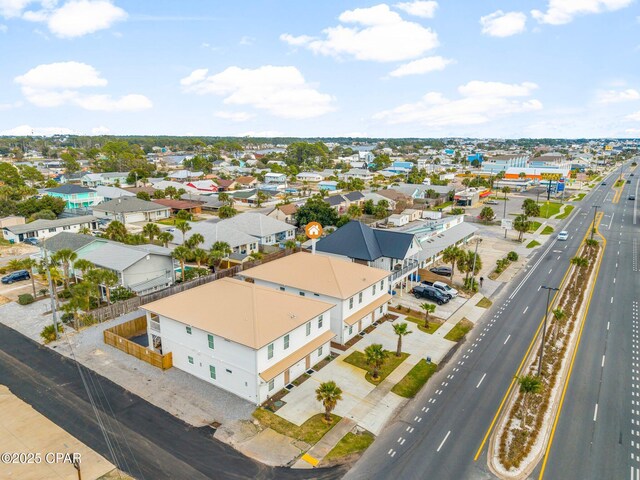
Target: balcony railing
[
  {"x": 154, "y": 326},
  {"x": 408, "y": 267}
]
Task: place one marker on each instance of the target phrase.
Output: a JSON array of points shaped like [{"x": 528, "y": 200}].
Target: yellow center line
[
  {"x": 524, "y": 358},
  {"x": 573, "y": 357}
]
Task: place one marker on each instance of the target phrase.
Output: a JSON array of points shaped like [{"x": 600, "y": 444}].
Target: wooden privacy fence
[
  {"x": 126, "y": 306},
  {"x": 119, "y": 335}
]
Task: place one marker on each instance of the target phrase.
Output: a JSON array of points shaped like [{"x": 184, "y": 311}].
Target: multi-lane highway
[
  {"x": 598, "y": 432},
  {"x": 443, "y": 431}
]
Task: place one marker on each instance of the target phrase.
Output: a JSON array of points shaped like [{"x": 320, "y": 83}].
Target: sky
[{"x": 463, "y": 68}]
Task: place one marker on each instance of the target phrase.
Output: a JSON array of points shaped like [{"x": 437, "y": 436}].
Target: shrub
[
  {"x": 121, "y": 293},
  {"x": 512, "y": 256},
  {"x": 67, "y": 317},
  {"x": 471, "y": 284},
  {"x": 66, "y": 294},
  {"x": 25, "y": 299},
  {"x": 43, "y": 292},
  {"x": 48, "y": 333}
]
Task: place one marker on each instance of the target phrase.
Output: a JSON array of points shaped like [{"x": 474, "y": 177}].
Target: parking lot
[{"x": 12, "y": 291}]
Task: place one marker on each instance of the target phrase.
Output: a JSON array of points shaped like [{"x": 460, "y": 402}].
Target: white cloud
[
  {"x": 419, "y": 8},
  {"x": 634, "y": 116},
  {"x": 24, "y": 130},
  {"x": 13, "y": 8},
  {"x": 101, "y": 130},
  {"x": 479, "y": 103},
  {"x": 76, "y": 18},
  {"x": 235, "y": 116},
  {"x": 57, "y": 84},
  {"x": 9, "y": 106},
  {"x": 560, "y": 12},
  {"x": 501, "y": 24},
  {"x": 423, "y": 65},
  {"x": 247, "y": 40},
  {"x": 618, "y": 96},
  {"x": 633, "y": 131},
  {"x": 281, "y": 91},
  {"x": 3, "y": 28},
  {"x": 378, "y": 34}
]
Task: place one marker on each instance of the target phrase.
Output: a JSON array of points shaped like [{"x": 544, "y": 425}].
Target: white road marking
[
  {"x": 481, "y": 380},
  {"x": 539, "y": 287},
  {"x": 399, "y": 439},
  {"x": 444, "y": 440},
  {"x": 558, "y": 257},
  {"x": 607, "y": 325},
  {"x": 595, "y": 413},
  {"x": 508, "y": 337},
  {"x": 611, "y": 299},
  {"x": 525, "y": 310},
  {"x": 602, "y": 361},
  {"x": 550, "y": 271}
]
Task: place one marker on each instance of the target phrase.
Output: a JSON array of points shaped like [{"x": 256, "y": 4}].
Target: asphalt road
[
  {"x": 438, "y": 434},
  {"x": 143, "y": 440},
  {"x": 603, "y": 442}
]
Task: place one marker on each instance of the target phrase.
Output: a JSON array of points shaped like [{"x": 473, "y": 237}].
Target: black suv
[
  {"x": 423, "y": 291},
  {"x": 16, "y": 276}
]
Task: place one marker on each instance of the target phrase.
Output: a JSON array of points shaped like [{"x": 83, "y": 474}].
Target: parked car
[
  {"x": 492, "y": 202},
  {"x": 628, "y": 181},
  {"x": 444, "y": 271},
  {"x": 563, "y": 235},
  {"x": 31, "y": 241},
  {"x": 603, "y": 183},
  {"x": 632, "y": 197},
  {"x": 631, "y": 174},
  {"x": 443, "y": 287},
  {"x": 16, "y": 276},
  {"x": 431, "y": 293}
]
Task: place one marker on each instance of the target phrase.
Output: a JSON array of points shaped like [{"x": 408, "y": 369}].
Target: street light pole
[
  {"x": 593, "y": 227},
  {"x": 544, "y": 326},
  {"x": 52, "y": 291},
  {"x": 473, "y": 268}
]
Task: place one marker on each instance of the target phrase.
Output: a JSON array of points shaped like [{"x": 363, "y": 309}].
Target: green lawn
[
  {"x": 309, "y": 432},
  {"x": 358, "y": 359},
  {"x": 579, "y": 197},
  {"x": 484, "y": 303},
  {"x": 433, "y": 326},
  {"x": 550, "y": 209},
  {"x": 350, "y": 443},
  {"x": 533, "y": 243},
  {"x": 443, "y": 205},
  {"x": 415, "y": 379},
  {"x": 619, "y": 183},
  {"x": 567, "y": 210},
  {"x": 534, "y": 226},
  {"x": 548, "y": 230},
  {"x": 459, "y": 331}
]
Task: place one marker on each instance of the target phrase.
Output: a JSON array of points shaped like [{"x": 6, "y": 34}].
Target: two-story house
[
  {"x": 75, "y": 196},
  {"x": 358, "y": 292},
  {"x": 267, "y": 230},
  {"x": 248, "y": 339}
]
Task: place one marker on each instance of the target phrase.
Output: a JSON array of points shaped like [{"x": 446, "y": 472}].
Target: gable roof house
[
  {"x": 358, "y": 292},
  {"x": 267, "y": 230},
  {"x": 246, "y": 181},
  {"x": 41, "y": 229},
  {"x": 109, "y": 193},
  {"x": 105, "y": 178},
  {"x": 75, "y": 196},
  {"x": 131, "y": 210},
  {"x": 284, "y": 213},
  {"x": 273, "y": 339},
  {"x": 205, "y": 186}
]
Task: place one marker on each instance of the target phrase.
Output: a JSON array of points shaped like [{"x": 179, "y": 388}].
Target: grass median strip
[
  {"x": 548, "y": 230},
  {"x": 459, "y": 331},
  {"x": 359, "y": 359},
  {"x": 484, "y": 303},
  {"x": 433, "y": 325},
  {"x": 349, "y": 444},
  {"x": 567, "y": 210},
  {"x": 549, "y": 209},
  {"x": 533, "y": 243},
  {"x": 309, "y": 432},
  {"x": 415, "y": 379}
]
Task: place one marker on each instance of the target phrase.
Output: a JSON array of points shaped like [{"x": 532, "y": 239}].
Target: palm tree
[
  {"x": 151, "y": 230},
  {"x": 505, "y": 190},
  {"x": 184, "y": 227},
  {"x": 94, "y": 278},
  {"x": 109, "y": 279},
  {"x": 528, "y": 384},
  {"x": 194, "y": 240},
  {"x": 329, "y": 394},
  {"x": 200, "y": 255},
  {"x": 375, "y": 355},
  {"x": 65, "y": 257},
  {"x": 116, "y": 231},
  {"x": 260, "y": 198},
  {"x": 400, "y": 329},
  {"x": 83, "y": 266},
  {"x": 560, "y": 318},
  {"x": 165, "y": 238},
  {"x": 428, "y": 308},
  {"x": 30, "y": 264},
  {"x": 580, "y": 261},
  {"x": 256, "y": 256},
  {"x": 521, "y": 224},
  {"x": 290, "y": 244},
  {"x": 14, "y": 264},
  {"x": 451, "y": 254},
  {"x": 85, "y": 231},
  {"x": 354, "y": 211},
  {"x": 219, "y": 250},
  {"x": 225, "y": 198},
  {"x": 181, "y": 254}
]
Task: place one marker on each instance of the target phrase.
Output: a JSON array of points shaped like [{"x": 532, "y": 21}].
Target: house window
[
  {"x": 360, "y": 297},
  {"x": 350, "y": 303},
  {"x": 190, "y": 360},
  {"x": 350, "y": 329},
  {"x": 301, "y": 294},
  {"x": 373, "y": 290},
  {"x": 282, "y": 289},
  {"x": 272, "y": 384},
  {"x": 189, "y": 330},
  {"x": 380, "y": 309},
  {"x": 210, "y": 338},
  {"x": 308, "y": 328},
  {"x": 286, "y": 341},
  {"x": 320, "y": 321},
  {"x": 270, "y": 350},
  {"x": 320, "y": 351},
  {"x": 228, "y": 371},
  {"x": 382, "y": 285},
  {"x": 212, "y": 372}
]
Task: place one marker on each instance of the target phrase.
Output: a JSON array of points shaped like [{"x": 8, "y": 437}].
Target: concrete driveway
[{"x": 356, "y": 401}]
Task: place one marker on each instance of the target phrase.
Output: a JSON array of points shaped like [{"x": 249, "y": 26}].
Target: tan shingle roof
[
  {"x": 319, "y": 274},
  {"x": 239, "y": 311}
]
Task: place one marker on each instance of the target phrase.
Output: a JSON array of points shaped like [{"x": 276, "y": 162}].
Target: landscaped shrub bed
[{"x": 526, "y": 417}]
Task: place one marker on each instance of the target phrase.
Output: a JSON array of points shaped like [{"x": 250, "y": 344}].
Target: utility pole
[
  {"x": 52, "y": 292},
  {"x": 544, "y": 326},
  {"x": 504, "y": 212},
  {"x": 593, "y": 227},
  {"x": 473, "y": 268}
]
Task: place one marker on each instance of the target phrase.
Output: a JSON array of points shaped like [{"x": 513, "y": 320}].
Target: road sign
[
  {"x": 313, "y": 230},
  {"x": 507, "y": 224}
]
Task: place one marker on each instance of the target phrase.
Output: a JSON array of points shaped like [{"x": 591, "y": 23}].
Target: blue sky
[{"x": 543, "y": 68}]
